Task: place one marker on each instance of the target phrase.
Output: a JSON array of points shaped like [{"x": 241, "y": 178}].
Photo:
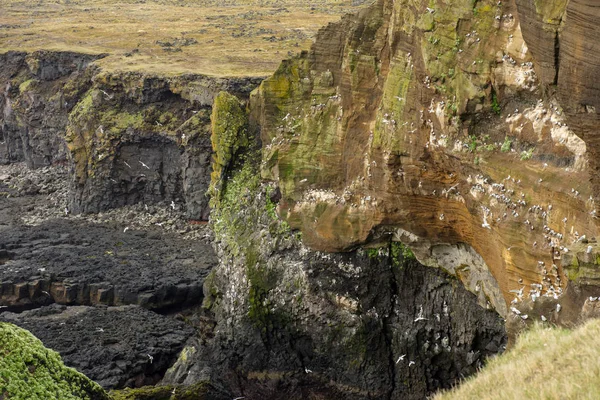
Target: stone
[{"x": 110, "y": 345}]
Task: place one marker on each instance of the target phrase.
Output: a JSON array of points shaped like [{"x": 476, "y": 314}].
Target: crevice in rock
[
  {"x": 387, "y": 323},
  {"x": 557, "y": 54}
]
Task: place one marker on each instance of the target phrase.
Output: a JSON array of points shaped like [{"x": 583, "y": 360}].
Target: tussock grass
[
  {"x": 546, "y": 363},
  {"x": 214, "y": 37}
]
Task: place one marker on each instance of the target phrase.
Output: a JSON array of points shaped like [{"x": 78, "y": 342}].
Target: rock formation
[
  {"x": 381, "y": 205},
  {"x": 124, "y": 346},
  {"x": 438, "y": 126},
  {"x": 76, "y": 264},
  {"x": 433, "y": 126},
  {"x": 129, "y": 137}
]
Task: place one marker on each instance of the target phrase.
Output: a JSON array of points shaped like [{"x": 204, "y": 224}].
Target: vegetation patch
[
  {"x": 546, "y": 363},
  {"x": 229, "y": 136},
  {"x": 198, "y": 391},
  {"x": 29, "y": 371},
  {"x": 213, "y": 37}
]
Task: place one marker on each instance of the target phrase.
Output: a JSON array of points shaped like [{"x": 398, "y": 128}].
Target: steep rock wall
[
  {"x": 37, "y": 92},
  {"x": 283, "y": 321},
  {"x": 436, "y": 124},
  {"x": 137, "y": 138},
  {"x": 129, "y": 137}
]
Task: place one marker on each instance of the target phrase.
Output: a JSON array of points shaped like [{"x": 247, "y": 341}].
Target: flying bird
[{"x": 420, "y": 315}]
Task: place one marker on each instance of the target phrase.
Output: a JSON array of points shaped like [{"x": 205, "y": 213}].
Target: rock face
[
  {"x": 135, "y": 139},
  {"x": 129, "y": 137},
  {"x": 369, "y": 324},
  {"x": 30, "y": 371},
  {"x": 37, "y": 92},
  {"x": 283, "y": 321},
  {"x": 462, "y": 130},
  {"x": 458, "y": 126},
  {"x": 435, "y": 126},
  {"x": 115, "y": 346}
]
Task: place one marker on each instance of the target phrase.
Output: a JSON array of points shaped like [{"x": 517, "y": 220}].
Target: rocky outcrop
[
  {"x": 284, "y": 321},
  {"x": 124, "y": 346},
  {"x": 432, "y": 127},
  {"x": 462, "y": 130},
  {"x": 464, "y": 142},
  {"x": 129, "y": 137},
  {"x": 31, "y": 371},
  {"x": 356, "y": 326},
  {"x": 37, "y": 93},
  {"x": 136, "y": 138},
  {"x": 74, "y": 263}
]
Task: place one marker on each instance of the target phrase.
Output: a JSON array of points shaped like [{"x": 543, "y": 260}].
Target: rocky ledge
[{"x": 69, "y": 262}]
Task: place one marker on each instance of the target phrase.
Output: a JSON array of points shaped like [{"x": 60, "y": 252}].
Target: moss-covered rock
[
  {"x": 199, "y": 391},
  {"x": 229, "y": 134},
  {"x": 29, "y": 371}
]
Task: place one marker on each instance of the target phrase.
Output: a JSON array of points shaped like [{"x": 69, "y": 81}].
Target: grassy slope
[
  {"x": 546, "y": 363},
  {"x": 241, "y": 37}
]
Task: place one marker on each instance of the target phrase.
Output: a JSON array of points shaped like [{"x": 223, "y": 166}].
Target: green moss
[
  {"x": 426, "y": 22},
  {"x": 495, "y": 104},
  {"x": 116, "y": 122},
  {"x": 506, "y": 145},
  {"x": 400, "y": 254},
  {"x": 527, "y": 154},
  {"x": 229, "y": 135},
  {"x": 198, "y": 391},
  {"x": 372, "y": 252},
  {"x": 451, "y": 74},
  {"x": 25, "y": 85},
  {"x": 29, "y": 371},
  {"x": 237, "y": 193},
  {"x": 551, "y": 12},
  {"x": 83, "y": 107},
  {"x": 144, "y": 393}
]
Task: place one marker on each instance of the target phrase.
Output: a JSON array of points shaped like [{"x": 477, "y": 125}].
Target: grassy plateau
[{"x": 213, "y": 37}]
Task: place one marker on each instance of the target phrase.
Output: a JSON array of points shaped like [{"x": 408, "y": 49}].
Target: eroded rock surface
[
  {"x": 79, "y": 263},
  {"x": 463, "y": 130},
  {"x": 448, "y": 124},
  {"x": 284, "y": 321},
  {"x": 129, "y": 137},
  {"x": 124, "y": 346},
  {"x": 32, "y": 122}
]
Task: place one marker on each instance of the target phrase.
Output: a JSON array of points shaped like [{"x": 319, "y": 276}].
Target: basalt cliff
[{"x": 386, "y": 210}]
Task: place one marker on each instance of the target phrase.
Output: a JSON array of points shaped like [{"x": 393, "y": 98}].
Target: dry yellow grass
[
  {"x": 546, "y": 363},
  {"x": 215, "y": 37}
]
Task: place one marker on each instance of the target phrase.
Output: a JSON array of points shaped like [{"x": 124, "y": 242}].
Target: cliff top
[{"x": 213, "y": 37}]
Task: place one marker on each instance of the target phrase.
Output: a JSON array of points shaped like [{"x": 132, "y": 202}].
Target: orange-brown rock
[{"x": 463, "y": 132}]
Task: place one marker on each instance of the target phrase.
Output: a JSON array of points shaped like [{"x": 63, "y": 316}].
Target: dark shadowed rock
[
  {"x": 114, "y": 346},
  {"x": 76, "y": 263}
]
